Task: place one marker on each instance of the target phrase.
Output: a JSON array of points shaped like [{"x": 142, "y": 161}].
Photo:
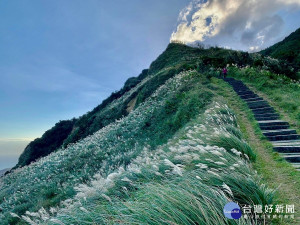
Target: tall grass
[
  {"x": 186, "y": 181},
  {"x": 230, "y": 141}
]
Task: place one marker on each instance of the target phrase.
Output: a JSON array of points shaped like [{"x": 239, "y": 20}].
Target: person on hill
[{"x": 224, "y": 71}]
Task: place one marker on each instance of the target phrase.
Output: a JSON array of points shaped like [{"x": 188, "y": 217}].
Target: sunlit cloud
[{"x": 247, "y": 24}]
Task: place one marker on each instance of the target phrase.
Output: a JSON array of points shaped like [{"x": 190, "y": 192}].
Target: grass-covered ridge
[
  {"x": 139, "y": 166},
  {"x": 185, "y": 181},
  {"x": 52, "y": 179},
  {"x": 175, "y": 59}
]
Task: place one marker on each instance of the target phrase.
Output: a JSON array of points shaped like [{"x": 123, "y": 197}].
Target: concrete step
[
  {"x": 253, "y": 99},
  {"x": 292, "y": 143},
  {"x": 259, "y": 102},
  {"x": 273, "y": 122},
  {"x": 265, "y": 114},
  {"x": 296, "y": 165},
  {"x": 262, "y": 106},
  {"x": 287, "y": 149},
  {"x": 247, "y": 96},
  {"x": 267, "y": 118},
  {"x": 275, "y": 127},
  {"x": 279, "y": 132},
  {"x": 285, "y": 141},
  {"x": 243, "y": 93},
  {"x": 291, "y": 157},
  {"x": 284, "y": 137},
  {"x": 263, "y": 110},
  {"x": 241, "y": 89}
]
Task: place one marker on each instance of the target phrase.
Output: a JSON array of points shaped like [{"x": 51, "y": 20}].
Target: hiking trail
[{"x": 285, "y": 141}]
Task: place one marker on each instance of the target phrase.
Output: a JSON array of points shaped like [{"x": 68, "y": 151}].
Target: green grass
[
  {"x": 275, "y": 171},
  {"x": 283, "y": 92},
  {"x": 163, "y": 163},
  {"x": 185, "y": 181}
]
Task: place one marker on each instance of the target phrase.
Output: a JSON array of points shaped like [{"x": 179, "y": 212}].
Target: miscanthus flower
[{"x": 173, "y": 159}]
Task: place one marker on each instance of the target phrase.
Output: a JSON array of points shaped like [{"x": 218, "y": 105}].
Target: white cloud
[{"x": 248, "y": 22}]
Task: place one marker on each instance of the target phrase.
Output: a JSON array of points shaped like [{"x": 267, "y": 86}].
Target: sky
[
  {"x": 249, "y": 25},
  {"x": 61, "y": 58}
]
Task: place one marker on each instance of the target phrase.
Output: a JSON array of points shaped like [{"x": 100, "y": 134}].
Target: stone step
[
  {"x": 239, "y": 86},
  {"x": 273, "y": 122},
  {"x": 263, "y": 110},
  {"x": 259, "y": 102},
  {"x": 284, "y": 137},
  {"x": 243, "y": 93},
  {"x": 292, "y": 143},
  {"x": 267, "y": 118},
  {"x": 247, "y": 96},
  {"x": 296, "y": 165},
  {"x": 266, "y": 114},
  {"x": 262, "y": 106},
  {"x": 287, "y": 149},
  {"x": 291, "y": 157},
  {"x": 285, "y": 141},
  {"x": 279, "y": 132},
  {"x": 259, "y": 106},
  {"x": 275, "y": 127},
  {"x": 253, "y": 99},
  {"x": 241, "y": 89}
]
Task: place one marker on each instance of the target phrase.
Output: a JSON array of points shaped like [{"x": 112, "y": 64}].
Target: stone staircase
[{"x": 285, "y": 141}]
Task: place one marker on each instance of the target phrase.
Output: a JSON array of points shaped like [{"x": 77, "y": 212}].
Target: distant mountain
[
  {"x": 288, "y": 49},
  {"x": 2, "y": 172}
]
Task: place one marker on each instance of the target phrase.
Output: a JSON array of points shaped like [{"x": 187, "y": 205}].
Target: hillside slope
[
  {"x": 2, "y": 172},
  {"x": 176, "y": 58},
  {"x": 288, "y": 49},
  {"x": 70, "y": 131},
  {"x": 178, "y": 143},
  {"x": 164, "y": 104}
]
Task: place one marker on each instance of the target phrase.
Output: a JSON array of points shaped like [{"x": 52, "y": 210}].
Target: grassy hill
[
  {"x": 177, "y": 56},
  {"x": 166, "y": 138},
  {"x": 288, "y": 49}
]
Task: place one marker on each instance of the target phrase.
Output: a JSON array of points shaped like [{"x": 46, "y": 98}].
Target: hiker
[{"x": 224, "y": 72}]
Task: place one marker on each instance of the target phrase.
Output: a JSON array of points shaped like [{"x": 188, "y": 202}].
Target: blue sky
[{"x": 61, "y": 58}]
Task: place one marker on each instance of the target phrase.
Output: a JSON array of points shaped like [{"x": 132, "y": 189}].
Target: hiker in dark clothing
[{"x": 224, "y": 72}]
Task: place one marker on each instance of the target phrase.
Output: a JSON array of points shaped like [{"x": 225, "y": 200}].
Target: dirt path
[{"x": 275, "y": 171}]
